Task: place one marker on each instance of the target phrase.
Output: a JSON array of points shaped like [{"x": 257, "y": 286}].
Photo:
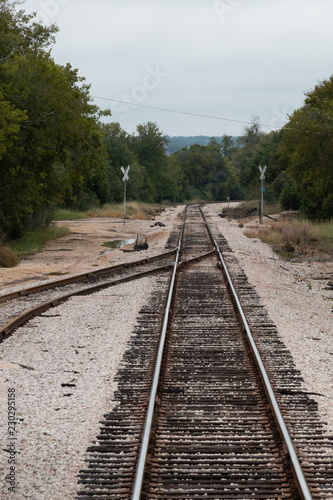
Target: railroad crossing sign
[
  {"x": 125, "y": 172},
  {"x": 125, "y": 178},
  {"x": 262, "y": 189},
  {"x": 262, "y": 172}
]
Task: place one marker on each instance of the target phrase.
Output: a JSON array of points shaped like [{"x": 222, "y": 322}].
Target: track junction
[{"x": 198, "y": 416}]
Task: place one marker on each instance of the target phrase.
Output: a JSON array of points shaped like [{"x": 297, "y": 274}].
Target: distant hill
[{"x": 178, "y": 142}]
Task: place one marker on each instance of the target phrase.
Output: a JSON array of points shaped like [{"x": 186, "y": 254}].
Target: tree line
[{"x": 55, "y": 149}]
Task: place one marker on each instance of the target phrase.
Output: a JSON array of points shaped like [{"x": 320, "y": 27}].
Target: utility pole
[
  {"x": 125, "y": 178},
  {"x": 262, "y": 189}
]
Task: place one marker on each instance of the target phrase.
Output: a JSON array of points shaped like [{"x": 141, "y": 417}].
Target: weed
[
  {"x": 251, "y": 234},
  {"x": 8, "y": 256},
  {"x": 298, "y": 236}
]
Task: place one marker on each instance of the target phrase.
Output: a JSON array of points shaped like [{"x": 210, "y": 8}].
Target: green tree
[
  {"x": 119, "y": 154},
  {"x": 10, "y": 121},
  {"x": 171, "y": 181},
  {"x": 307, "y": 148},
  {"x": 208, "y": 175},
  {"x": 226, "y": 144},
  {"x": 149, "y": 147},
  {"x": 20, "y": 33},
  {"x": 52, "y": 149},
  {"x": 243, "y": 154}
]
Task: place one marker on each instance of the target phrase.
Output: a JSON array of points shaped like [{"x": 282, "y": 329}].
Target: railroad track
[
  {"x": 198, "y": 413},
  {"x": 20, "y": 306}
]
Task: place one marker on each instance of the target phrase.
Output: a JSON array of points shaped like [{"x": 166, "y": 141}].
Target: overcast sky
[{"x": 229, "y": 59}]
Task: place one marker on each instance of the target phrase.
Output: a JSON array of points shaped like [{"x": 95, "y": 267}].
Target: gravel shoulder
[
  {"x": 62, "y": 364},
  {"x": 295, "y": 298}
]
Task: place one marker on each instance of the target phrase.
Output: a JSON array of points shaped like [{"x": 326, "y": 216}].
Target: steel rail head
[
  {"x": 83, "y": 276},
  {"x": 296, "y": 466},
  {"x": 23, "y": 318},
  {"x": 140, "y": 470}
]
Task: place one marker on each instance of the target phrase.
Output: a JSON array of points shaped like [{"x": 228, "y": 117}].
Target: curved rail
[
  {"x": 30, "y": 313},
  {"x": 83, "y": 276},
  {"x": 298, "y": 472},
  {"x": 35, "y": 311}
]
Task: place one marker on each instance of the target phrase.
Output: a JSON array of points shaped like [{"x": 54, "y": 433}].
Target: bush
[
  {"x": 289, "y": 198},
  {"x": 41, "y": 219},
  {"x": 8, "y": 256}
]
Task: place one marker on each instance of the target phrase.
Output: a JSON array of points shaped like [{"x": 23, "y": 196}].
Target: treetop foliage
[
  {"x": 307, "y": 148},
  {"x": 54, "y": 150},
  {"x": 50, "y": 141}
]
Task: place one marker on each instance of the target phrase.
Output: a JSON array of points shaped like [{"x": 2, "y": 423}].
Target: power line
[{"x": 181, "y": 112}]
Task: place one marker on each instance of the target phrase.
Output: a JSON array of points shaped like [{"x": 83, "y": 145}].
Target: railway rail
[
  {"x": 209, "y": 403},
  {"x": 20, "y": 306}
]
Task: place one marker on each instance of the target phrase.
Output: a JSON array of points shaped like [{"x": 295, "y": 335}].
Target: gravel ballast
[
  {"x": 298, "y": 304},
  {"x": 62, "y": 365}
]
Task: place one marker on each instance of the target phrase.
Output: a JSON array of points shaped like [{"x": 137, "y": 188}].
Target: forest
[{"x": 58, "y": 149}]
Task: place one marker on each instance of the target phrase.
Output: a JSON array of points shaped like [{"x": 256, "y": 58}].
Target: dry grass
[
  {"x": 250, "y": 209},
  {"x": 8, "y": 256},
  {"x": 134, "y": 209},
  {"x": 297, "y": 237}
]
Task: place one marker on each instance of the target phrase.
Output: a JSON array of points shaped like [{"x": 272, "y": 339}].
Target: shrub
[
  {"x": 289, "y": 198},
  {"x": 8, "y": 256}
]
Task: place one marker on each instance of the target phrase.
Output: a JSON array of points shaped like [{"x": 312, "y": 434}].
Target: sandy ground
[
  {"x": 84, "y": 248},
  {"x": 62, "y": 364}
]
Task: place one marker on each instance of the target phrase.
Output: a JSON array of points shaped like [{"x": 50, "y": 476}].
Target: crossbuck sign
[
  {"x": 262, "y": 189},
  {"x": 125, "y": 172},
  {"x": 125, "y": 178},
  {"x": 262, "y": 172}
]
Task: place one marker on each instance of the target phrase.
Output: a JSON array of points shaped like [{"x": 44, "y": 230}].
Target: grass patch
[
  {"x": 134, "y": 209},
  {"x": 298, "y": 237},
  {"x": 8, "y": 256},
  {"x": 64, "y": 214},
  {"x": 34, "y": 241}
]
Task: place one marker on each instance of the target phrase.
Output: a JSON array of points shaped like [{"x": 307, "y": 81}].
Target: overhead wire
[
  {"x": 182, "y": 112},
  {"x": 192, "y": 114}
]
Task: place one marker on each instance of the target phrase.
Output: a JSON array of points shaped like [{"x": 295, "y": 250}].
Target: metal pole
[
  {"x": 125, "y": 178},
  {"x": 262, "y": 177},
  {"x": 262, "y": 202},
  {"x": 124, "y": 201}
]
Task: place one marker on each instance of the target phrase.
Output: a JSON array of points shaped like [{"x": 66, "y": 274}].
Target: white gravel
[
  {"x": 81, "y": 343},
  {"x": 298, "y": 304}
]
